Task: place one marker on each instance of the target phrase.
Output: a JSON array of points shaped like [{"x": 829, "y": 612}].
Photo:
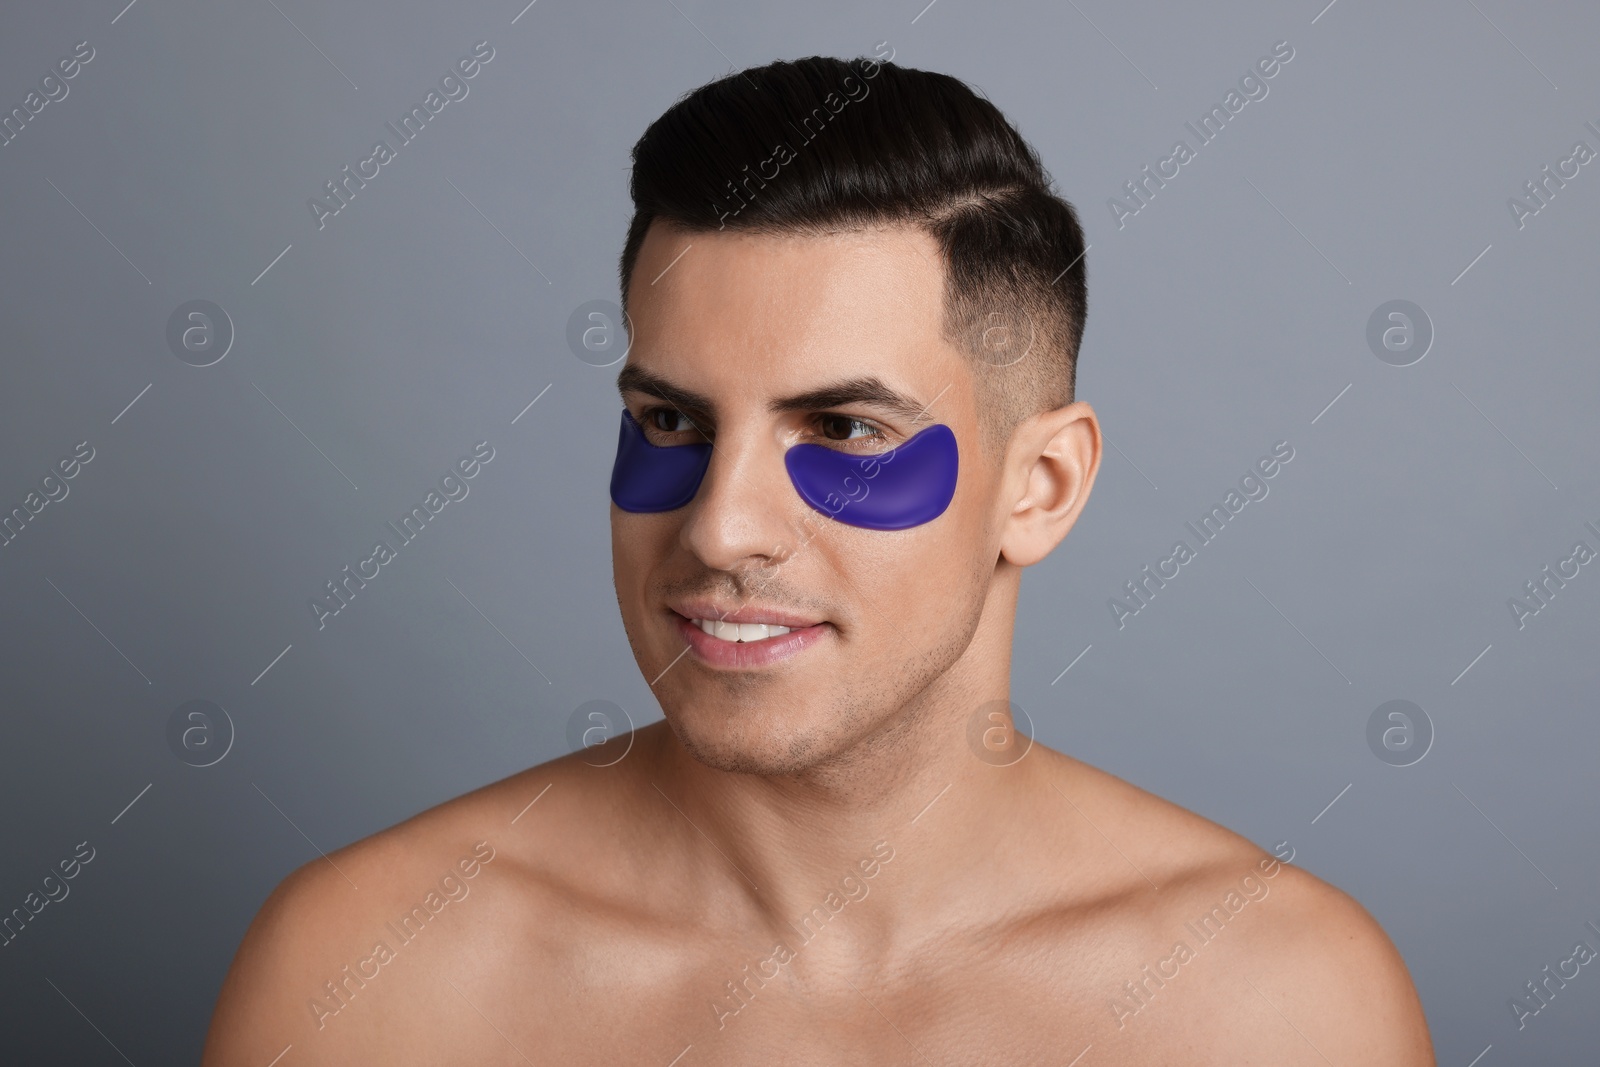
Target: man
[{"x": 855, "y": 309}]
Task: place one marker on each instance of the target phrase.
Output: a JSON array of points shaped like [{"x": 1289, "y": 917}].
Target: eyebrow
[{"x": 869, "y": 391}]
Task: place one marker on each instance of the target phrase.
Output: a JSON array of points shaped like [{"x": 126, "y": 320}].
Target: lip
[
  {"x": 710, "y": 609},
  {"x": 715, "y": 652}
]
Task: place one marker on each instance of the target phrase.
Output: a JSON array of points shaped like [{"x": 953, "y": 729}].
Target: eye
[
  {"x": 843, "y": 427},
  {"x": 665, "y": 420}
]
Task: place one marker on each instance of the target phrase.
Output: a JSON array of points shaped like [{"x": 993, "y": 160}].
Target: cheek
[
  {"x": 638, "y": 544},
  {"x": 914, "y": 585},
  {"x": 918, "y": 603}
]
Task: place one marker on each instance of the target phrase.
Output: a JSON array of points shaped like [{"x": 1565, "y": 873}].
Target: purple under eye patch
[
  {"x": 903, "y": 487},
  {"x": 894, "y": 490},
  {"x": 647, "y": 477}
]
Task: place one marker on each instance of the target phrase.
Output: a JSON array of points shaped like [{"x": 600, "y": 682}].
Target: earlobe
[{"x": 1050, "y": 470}]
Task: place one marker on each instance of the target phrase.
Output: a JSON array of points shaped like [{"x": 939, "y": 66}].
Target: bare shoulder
[
  {"x": 1223, "y": 943},
  {"x": 381, "y": 930},
  {"x": 1324, "y": 973}
]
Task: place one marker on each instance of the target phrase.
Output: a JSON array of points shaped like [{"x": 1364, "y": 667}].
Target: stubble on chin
[{"x": 774, "y": 752}]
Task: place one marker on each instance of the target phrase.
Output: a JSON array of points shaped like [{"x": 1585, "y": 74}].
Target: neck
[{"x": 923, "y": 788}]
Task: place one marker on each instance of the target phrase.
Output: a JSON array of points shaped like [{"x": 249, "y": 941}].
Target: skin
[{"x": 981, "y": 909}]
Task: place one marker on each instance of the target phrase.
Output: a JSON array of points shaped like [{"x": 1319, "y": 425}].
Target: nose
[{"x": 743, "y": 515}]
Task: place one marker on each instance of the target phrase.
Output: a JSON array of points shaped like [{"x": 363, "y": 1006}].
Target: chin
[{"x": 750, "y": 741}]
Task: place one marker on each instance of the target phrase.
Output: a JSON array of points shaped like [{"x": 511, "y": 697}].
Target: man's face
[{"x": 745, "y": 323}]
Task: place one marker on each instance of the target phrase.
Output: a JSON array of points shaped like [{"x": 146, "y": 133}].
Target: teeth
[{"x": 740, "y": 631}]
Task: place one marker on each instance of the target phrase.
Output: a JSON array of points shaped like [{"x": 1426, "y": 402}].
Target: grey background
[{"x": 423, "y": 318}]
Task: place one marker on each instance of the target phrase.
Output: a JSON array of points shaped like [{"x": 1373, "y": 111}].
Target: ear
[{"x": 1050, "y": 467}]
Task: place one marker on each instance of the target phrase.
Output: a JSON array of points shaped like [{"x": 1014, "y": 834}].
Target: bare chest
[
  {"x": 624, "y": 992},
  {"x": 949, "y": 1011}
]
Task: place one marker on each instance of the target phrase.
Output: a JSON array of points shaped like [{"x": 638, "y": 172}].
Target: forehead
[{"x": 735, "y": 313}]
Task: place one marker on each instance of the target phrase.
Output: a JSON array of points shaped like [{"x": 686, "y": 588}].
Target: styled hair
[{"x": 820, "y": 145}]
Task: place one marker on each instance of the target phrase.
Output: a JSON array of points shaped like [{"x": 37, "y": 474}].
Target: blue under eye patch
[{"x": 894, "y": 490}]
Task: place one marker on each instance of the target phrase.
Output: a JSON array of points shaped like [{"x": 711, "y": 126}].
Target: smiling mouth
[
  {"x": 740, "y": 632},
  {"x": 749, "y": 644}
]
